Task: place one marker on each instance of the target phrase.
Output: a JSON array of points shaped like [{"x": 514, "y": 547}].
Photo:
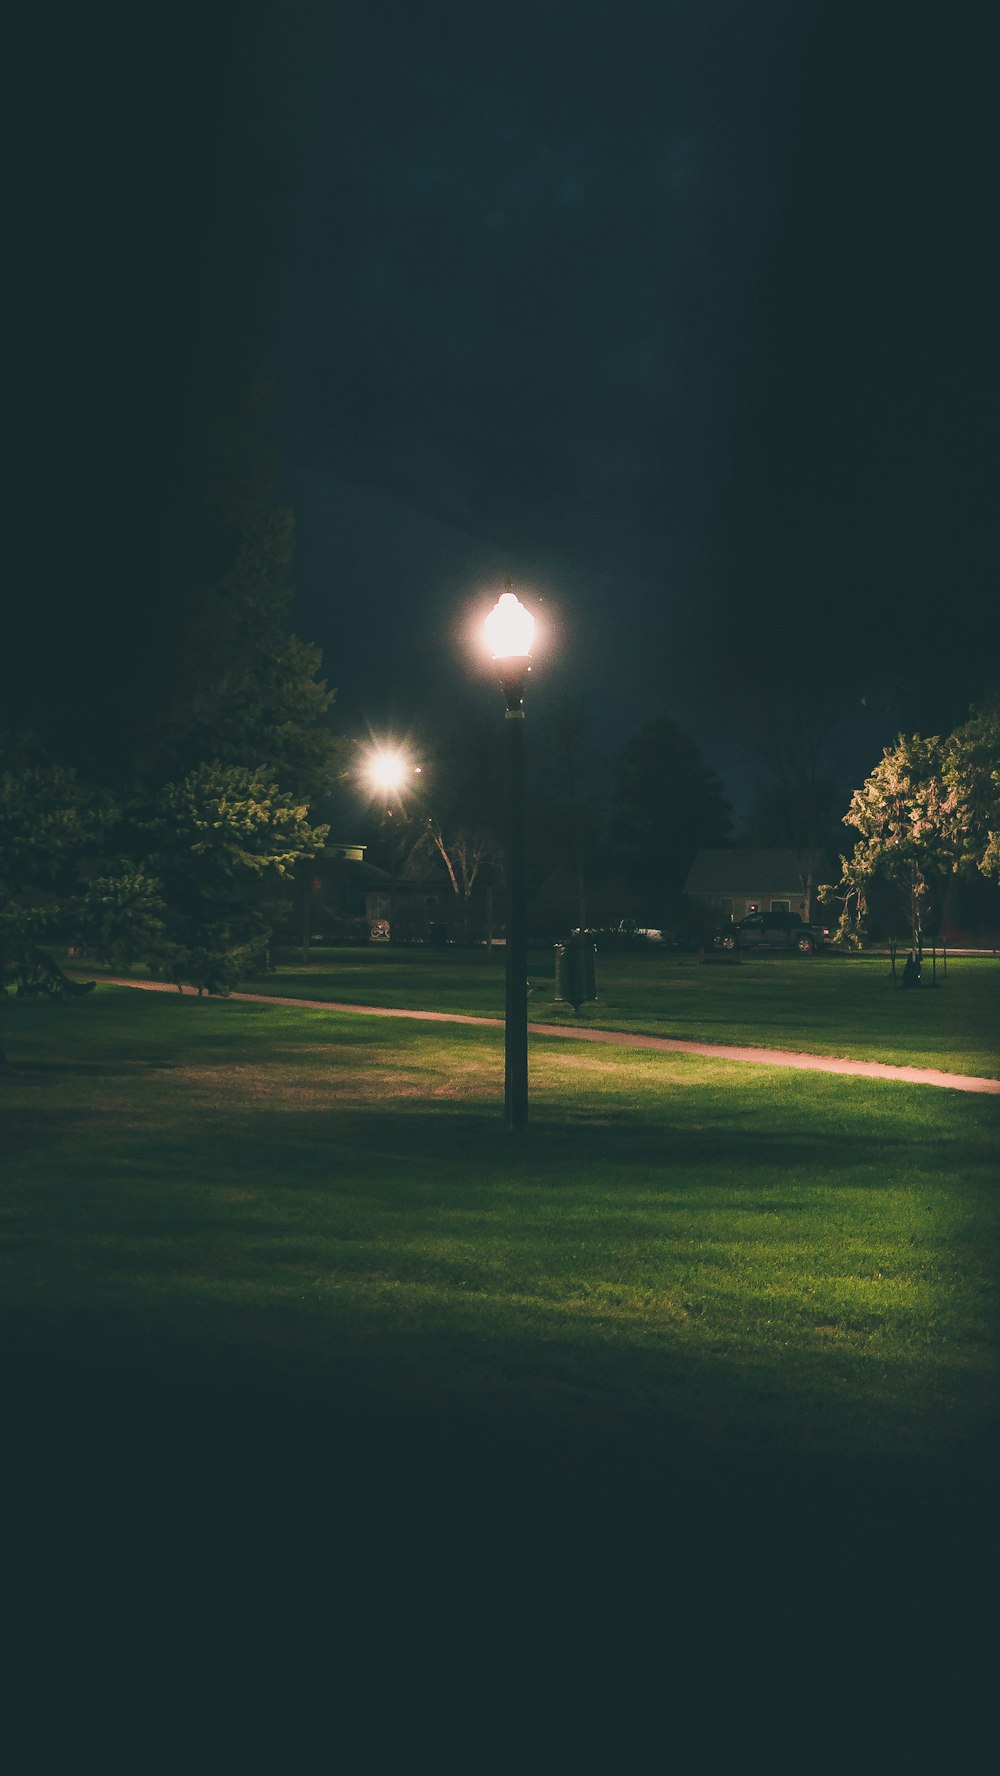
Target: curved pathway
[{"x": 717, "y": 1051}]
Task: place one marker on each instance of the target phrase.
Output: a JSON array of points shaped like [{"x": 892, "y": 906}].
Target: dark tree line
[{"x": 178, "y": 851}]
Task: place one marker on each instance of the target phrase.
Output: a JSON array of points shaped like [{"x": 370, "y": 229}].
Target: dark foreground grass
[
  {"x": 831, "y": 1004},
  {"x": 348, "y": 1433}
]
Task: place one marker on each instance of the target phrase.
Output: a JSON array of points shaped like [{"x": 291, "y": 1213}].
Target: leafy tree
[
  {"x": 972, "y": 772},
  {"x": 928, "y": 814},
  {"x": 250, "y": 693},
  {"x": 192, "y": 896},
  {"x": 60, "y": 883},
  {"x": 122, "y": 916},
  {"x": 241, "y": 745},
  {"x": 47, "y": 824},
  {"x": 222, "y": 843},
  {"x": 181, "y": 866},
  {"x": 667, "y": 804},
  {"x": 243, "y": 688},
  {"x": 904, "y": 818}
]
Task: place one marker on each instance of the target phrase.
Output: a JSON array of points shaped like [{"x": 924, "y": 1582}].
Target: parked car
[{"x": 773, "y": 931}]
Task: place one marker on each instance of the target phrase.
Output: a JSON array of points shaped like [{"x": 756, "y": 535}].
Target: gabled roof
[{"x": 754, "y": 871}]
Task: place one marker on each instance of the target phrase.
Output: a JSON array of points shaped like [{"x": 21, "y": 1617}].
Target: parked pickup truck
[{"x": 773, "y": 931}]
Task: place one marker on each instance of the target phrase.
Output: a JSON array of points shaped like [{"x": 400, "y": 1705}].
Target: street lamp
[
  {"x": 509, "y": 628},
  {"x": 386, "y": 769}
]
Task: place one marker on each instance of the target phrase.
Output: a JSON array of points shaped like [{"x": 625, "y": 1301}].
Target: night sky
[{"x": 683, "y": 316}]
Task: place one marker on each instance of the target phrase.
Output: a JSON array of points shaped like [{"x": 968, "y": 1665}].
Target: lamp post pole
[
  {"x": 509, "y": 629},
  {"x": 515, "y": 1096}
]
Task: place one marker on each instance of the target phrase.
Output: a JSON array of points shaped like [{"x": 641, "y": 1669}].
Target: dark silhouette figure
[{"x": 911, "y": 971}]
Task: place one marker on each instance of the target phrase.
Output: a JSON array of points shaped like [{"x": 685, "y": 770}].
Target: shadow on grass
[
  {"x": 566, "y": 1147},
  {"x": 121, "y": 1067},
  {"x": 292, "y": 1568},
  {"x": 25, "y": 1128},
  {"x": 409, "y": 1153}
]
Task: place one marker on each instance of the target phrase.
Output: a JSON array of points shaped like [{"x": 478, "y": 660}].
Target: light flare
[{"x": 387, "y": 768}]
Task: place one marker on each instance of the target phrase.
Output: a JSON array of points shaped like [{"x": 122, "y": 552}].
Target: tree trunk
[
  {"x": 306, "y": 920},
  {"x": 916, "y": 929}
]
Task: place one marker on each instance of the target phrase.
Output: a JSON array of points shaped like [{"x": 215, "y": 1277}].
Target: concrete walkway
[{"x": 715, "y": 1051}]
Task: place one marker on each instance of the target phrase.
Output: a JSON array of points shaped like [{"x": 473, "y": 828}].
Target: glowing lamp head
[
  {"x": 509, "y": 628},
  {"x": 387, "y": 770}
]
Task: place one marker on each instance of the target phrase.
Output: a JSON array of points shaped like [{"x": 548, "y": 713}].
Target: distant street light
[
  {"x": 386, "y": 769},
  {"x": 509, "y": 629}
]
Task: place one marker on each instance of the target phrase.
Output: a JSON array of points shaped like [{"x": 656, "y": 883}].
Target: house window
[{"x": 781, "y": 906}]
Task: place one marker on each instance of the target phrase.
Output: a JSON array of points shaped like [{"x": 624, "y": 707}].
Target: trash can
[
  {"x": 576, "y": 971},
  {"x": 437, "y": 935}
]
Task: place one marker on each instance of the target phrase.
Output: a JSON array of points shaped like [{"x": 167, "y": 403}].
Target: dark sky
[{"x": 682, "y": 315}]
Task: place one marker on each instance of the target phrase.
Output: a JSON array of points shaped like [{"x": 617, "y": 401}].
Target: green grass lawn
[
  {"x": 378, "y": 1439},
  {"x": 839, "y": 1005},
  {"x": 739, "y": 1254}
]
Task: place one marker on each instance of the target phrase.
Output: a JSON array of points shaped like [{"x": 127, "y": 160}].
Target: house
[
  {"x": 331, "y": 892},
  {"x": 732, "y": 883},
  {"x": 343, "y": 898},
  {"x": 418, "y": 908}
]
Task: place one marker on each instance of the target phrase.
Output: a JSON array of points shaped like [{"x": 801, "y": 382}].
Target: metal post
[
  {"x": 508, "y": 630},
  {"x": 392, "y": 895},
  {"x": 516, "y": 1007},
  {"x": 388, "y": 830}
]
